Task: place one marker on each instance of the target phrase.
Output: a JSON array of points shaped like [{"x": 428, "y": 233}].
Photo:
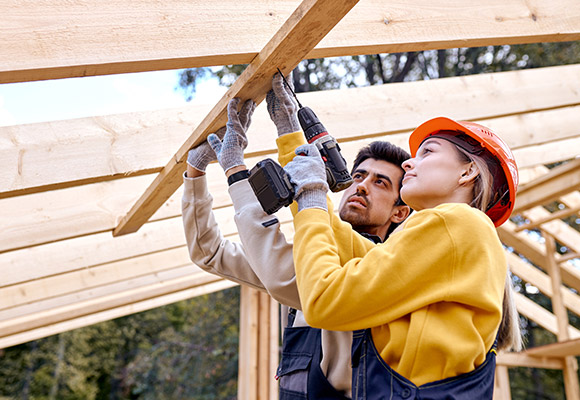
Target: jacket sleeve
[
  {"x": 287, "y": 145},
  {"x": 266, "y": 248},
  {"x": 206, "y": 245},
  {"x": 342, "y": 290}
]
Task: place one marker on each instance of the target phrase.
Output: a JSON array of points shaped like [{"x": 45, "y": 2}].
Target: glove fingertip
[{"x": 214, "y": 141}]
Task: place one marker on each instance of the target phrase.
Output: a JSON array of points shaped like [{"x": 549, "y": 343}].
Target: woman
[{"x": 430, "y": 300}]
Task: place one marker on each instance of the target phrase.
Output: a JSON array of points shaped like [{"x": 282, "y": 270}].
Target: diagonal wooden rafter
[{"x": 311, "y": 21}]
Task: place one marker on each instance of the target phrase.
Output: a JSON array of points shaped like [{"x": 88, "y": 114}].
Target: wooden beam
[
  {"x": 560, "y": 180},
  {"x": 534, "y": 252},
  {"x": 541, "y": 316},
  {"x": 542, "y": 281},
  {"x": 547, "y": 153},
  {"x": 564, "y": 233},
  {"x": 109, "y": 314},
  {"x": 60, "y": 154},
  {"x": 560, "y": 349},
  {"x": 525, "y": 360},
  {"x": 311, "y": 21},
  {"x": 570, "y": 370},
  {"x": 501, "y": 389},
  {"x": 82, "y": 252},
  {"x": 248, "y": 353},
  {"x": 59, "y": 39},
  {"x": 553, "y": 216},
  {"x": 92, "y": 277},
  {"x": 79, "y": 309},
  {"x": 72, "y": 296}
]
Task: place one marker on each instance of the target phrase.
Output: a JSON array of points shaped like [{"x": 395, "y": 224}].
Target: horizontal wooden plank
[
  {"x": 524, "y": 360},
  {"x": 59, "y": 39},
  {"x": 67, "y": 255},
  {"x": 57, "y": 297},
  {"x": 93, "y": 277},
  {"x": 79, "y": 309},
  {"x": 148, "y": 304},
  {"x": 560, "y": 180},
  {"x": 60, "y": 154},
  {"x": 560, "y": 349},
  {"x": 55, "y": 215}
]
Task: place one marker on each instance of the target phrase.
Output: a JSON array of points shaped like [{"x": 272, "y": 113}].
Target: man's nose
[{"x": 361, "y": 187}]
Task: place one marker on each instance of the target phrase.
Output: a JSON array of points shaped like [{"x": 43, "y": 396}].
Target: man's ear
[
  {"x": 469, "y": 173},
  {"x": 400, "y": 213}
]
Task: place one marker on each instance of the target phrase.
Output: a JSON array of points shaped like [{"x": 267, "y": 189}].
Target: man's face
[{"x": 369, "y": 203}]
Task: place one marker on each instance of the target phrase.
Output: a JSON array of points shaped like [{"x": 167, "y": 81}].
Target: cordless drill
[{"x": 272, "y": 185}]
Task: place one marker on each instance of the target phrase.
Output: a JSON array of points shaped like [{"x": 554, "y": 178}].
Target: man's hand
[
  {"x": 230, "y": 152},
  {"x": 282, "y": 106},
  {"x": 201, "y": 155},
  {"x": 308, "y": 173}
]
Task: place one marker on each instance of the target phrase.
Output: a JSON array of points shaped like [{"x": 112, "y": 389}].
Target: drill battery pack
[{"x": 272, "y": 185}]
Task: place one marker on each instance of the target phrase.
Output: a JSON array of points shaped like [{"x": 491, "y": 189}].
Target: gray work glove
[
  {"x": 308, "y": 174},
  {"x": 282, "y": 105},
  {"x": 230, "y": 152},
  {"x": 202, "y": 154}
]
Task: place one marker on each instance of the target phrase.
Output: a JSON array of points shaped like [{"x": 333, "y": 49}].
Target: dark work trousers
[
  {"x": 374, "y": 379},
  {"x": 299, "y": 371}
]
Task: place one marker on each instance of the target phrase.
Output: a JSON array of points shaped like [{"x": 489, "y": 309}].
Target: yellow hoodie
[{"x": 432, "y": 293}]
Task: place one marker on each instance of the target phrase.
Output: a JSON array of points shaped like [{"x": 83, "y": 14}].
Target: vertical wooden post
[
  {"x": 259, "y": 337},
  {"x": 501, "y": 390},
  {"x": 570, "y": 365}
]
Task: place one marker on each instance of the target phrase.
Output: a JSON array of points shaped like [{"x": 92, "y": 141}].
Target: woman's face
[{"x": 436, "y": 175}]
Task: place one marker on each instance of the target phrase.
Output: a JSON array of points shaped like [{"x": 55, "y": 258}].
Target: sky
[{"x": 41, "y": 101}]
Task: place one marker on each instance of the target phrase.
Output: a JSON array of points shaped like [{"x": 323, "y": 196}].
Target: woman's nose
[{"x": 407, "y": 164}]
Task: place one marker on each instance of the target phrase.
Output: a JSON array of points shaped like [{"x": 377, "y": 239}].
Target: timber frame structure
[{"x": 90, "y": 208}]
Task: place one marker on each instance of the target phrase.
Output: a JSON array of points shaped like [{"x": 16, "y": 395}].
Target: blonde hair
[{"x": 509, "y": 334}]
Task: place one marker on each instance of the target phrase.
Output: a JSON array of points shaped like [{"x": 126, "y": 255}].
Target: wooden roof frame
[{"x": 89, "y": 276}]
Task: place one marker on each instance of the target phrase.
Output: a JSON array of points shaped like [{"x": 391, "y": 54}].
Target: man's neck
[{"x": 372, "y": 237}]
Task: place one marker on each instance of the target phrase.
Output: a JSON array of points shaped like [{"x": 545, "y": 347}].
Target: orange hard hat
[{"x": 501, "y": 210}]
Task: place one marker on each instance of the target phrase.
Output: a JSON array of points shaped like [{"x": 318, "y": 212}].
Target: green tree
[{"x": 183, "y": 350}]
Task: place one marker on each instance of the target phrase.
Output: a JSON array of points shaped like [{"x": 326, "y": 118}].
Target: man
[{"x": 314, "y": 363}]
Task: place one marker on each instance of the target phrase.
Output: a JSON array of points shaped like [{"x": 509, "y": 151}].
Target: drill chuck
[{"x": 337, "y": 174}]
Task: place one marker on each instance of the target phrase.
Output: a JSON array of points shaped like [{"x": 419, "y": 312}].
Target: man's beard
[{"x": 354, "y": 217}]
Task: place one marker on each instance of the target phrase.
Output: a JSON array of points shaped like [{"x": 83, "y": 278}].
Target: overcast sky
[{"x": 29, "y": 102}]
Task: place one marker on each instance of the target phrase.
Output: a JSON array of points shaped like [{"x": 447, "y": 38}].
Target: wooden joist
[
  {"x": 311, "y": 21},
  {"x": 60, "y": 154},
  {"x": 541, "y": 316},
  {"x": 559, "y": 181},
  {"x": 68, "y": 324},
  {"x": 60, "y": 39},
  {"x": 525, "y": 360},
  {"x": 560, "y": 349},
  {"x": 539, "y": 279},
  {"x": 94, "y": 305}
]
